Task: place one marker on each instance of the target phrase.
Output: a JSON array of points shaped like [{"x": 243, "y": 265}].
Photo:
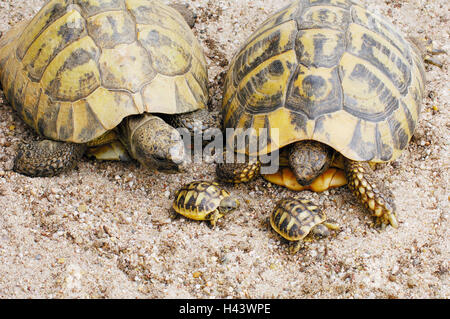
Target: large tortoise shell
[
  {"x": 329, "y": 71},
  {"x": 80, "y": 66}
]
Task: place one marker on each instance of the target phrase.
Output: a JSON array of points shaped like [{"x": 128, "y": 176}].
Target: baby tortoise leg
[
  {"x": 430, "y": 59},
  {"x": 295, "y": 246},
  {"x": 47, "y": 158},
  {"x": 173, "y": 215},
  {"x": 214, "y": 217},
  {"x": 195, "y": 122},
  {"x": 371, "y": 192},
  {"x": 309, "y": 159},
  {"x": 235, "y": 172}
]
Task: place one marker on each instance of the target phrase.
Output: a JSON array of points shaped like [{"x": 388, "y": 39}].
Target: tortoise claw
[{"x": 393, "y": 220}]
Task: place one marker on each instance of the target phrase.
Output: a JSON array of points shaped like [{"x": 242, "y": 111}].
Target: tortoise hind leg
[
  {"x": 47, "y": 158},
  {"x": 371, "y": 192}
]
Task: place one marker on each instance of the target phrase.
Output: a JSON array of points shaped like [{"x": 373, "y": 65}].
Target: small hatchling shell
[{"x": 202, "y": 200}]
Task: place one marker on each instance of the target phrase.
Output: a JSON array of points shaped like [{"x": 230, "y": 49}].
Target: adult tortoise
[
  {"x": 101, "y": 75},
  {"x": 332, "y": 85}
]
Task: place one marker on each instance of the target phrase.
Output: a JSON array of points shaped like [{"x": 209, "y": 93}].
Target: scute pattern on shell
[
  {"x": 80, "y": 66},
  {"x": 198, "y": 199},
  {"x": 293, "y": 219},
  {"x": 329, "y": 71}
]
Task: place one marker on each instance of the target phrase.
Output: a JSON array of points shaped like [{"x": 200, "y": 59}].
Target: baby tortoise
[
  {"x": 204, "y": 201},
  {"x": 294, "y": 219}
]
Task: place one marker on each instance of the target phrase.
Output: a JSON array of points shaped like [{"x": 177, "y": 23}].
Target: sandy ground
[{"x": 103, "y": 229}]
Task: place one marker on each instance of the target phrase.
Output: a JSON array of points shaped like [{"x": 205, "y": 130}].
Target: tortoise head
[
  {"x": 155, "y": 144},
  {"x": 309, "y": 159},
  {"x": 227, "y": 205}
]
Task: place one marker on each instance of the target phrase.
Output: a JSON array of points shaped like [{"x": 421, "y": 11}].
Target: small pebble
[
  {"x": 411, "y": 283},
  {"x": 196, "y": 274}
]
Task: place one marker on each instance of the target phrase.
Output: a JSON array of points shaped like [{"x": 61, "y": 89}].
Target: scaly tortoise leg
[
  {"x": 371, "y": 192},
  {"x": 318, "y": 231},
  {"x": 232, "y": 172},
  {"x": 295, "y": 246},
  {"x": 333, "y": 177},
  {"x": 47, "y": 158}
]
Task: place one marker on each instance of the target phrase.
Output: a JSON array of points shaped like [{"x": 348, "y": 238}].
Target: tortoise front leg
[
  {"x": 47, "y": 158},
  {"x": 233, "y": 172},
  {"x": 371, "y": 192}
]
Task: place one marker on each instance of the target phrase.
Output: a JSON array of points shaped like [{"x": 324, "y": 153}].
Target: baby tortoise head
[
  {"x": 309, "y": 159},
  {"x": 227, "y": 205}
]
